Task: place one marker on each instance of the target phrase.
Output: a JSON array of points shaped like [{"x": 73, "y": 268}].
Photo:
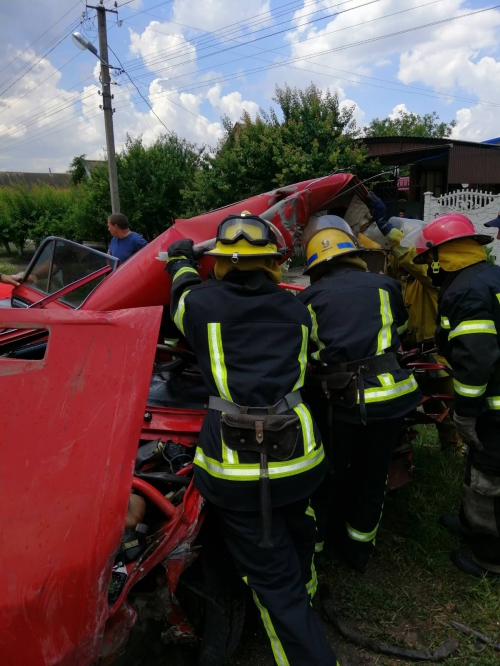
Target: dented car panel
[
  {"x": 142, "y": 280},
  {"x": 70, "y": 425}
]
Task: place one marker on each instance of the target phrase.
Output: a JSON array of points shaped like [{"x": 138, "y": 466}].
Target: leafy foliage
[
  {"x": 34, "y": 213},
  {"x": 313, "y": 137},
  {"x": 151, "y": 180},
  {"x": 77, "y": 169},
  {"x": 411, "y": 124}
]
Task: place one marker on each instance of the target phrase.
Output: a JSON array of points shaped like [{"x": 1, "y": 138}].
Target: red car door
[{"x": 70, "y": 422}]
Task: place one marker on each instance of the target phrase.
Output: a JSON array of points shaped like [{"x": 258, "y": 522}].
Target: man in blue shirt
[{"x": 124, "y": 243}]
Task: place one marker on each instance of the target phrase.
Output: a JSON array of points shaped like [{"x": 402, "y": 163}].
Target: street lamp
[{"x": 83, "y": 44}]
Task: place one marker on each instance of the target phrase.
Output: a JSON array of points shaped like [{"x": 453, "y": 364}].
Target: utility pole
[{"x": 107, "y": 107}]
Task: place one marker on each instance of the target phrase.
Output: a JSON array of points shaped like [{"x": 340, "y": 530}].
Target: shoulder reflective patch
[
  {"x": 179, "y": 314},
  {"x": 217, "y": 360},
  {"x": 474, "y": 326},
  {"x": 302, "y": 358},
  {"x": 445, "y": 322},
  {"x": 315, "y": 335},
  {"x": 385, "y": 333},
  {"x": 468, "y": 391}
]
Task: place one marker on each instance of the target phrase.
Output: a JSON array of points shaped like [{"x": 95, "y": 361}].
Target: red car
[{"x": 95, "y": 404}]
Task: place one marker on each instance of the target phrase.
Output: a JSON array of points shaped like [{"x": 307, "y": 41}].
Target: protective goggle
[{"x": 252, "y": 229}]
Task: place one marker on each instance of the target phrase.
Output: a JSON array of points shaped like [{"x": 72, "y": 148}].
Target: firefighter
[
  {"x": 421, "y": 300},
  {"x": 468, "y": 335},
  {"x": 360, "y": 388},
  {"x": 260, "y": 455}
]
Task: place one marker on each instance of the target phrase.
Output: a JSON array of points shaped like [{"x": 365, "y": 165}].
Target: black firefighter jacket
[
  {"x": 357, "y": 315},
  {"x": 468, "y": 335},
  {"x": 250, "y": 338}
]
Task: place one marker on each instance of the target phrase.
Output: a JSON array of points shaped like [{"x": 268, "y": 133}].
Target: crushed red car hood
[{"x": 142, "y": 280}]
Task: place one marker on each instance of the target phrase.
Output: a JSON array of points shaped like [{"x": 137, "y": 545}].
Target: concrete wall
[{"x": 480, "y": 207}]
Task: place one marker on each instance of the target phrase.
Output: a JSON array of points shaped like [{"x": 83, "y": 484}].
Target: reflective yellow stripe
[
  {"x": 402, "y": 329},
  {"x": 310, "y": 511},
  {"x": 277, "y": 647},
  {"x": 302, "y": 358},
  {"x": 498, "y": 296},
  {"x": 314, "y": 335},
  {"x": 318, "y": 548},
  {"x": 445, "y": 322},
  {"x": 312, "y": 585},
  {"x": 228, "y": 455},
  {"x": 219, "y": 369},
  {"x": 385, "y": 333},
  {"x": 396, "y": 390},
  {"x": 361, "y": 536},
  {"x": 307, "y": 427},
  {"x": 186, "y": 269},
  {"x": 179, "y": 314},
  {"x": 251, "y": 472},
  {"x": 386, "y": 380},
  {"x": 493, "y": 402},
  {"x": 469, "y": 391},
  {"x": 474, "y": 326}
]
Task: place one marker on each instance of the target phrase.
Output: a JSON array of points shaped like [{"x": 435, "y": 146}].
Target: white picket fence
[{"x": 479, "y": 206}]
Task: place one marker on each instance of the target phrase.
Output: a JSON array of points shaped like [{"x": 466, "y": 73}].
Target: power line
[
  {"x": 40, "y": 59},
  {"x": 272, "y": 34},
  {"x": 286, "y": 63},
  {"x": 39, "y": 38},
  {"x": 133, "y": 83},
  {"x": 249, "y": 23}
]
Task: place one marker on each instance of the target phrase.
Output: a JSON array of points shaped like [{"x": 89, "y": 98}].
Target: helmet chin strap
[{"x": 435, "y": 261}]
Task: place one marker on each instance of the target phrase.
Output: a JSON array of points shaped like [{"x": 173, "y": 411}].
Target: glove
[
  {"x": 180, "y": 250},
  {"x": 466, "y": 427}
]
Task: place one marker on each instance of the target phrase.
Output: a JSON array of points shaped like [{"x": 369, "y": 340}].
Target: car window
[{"x": 58, "y": 263}]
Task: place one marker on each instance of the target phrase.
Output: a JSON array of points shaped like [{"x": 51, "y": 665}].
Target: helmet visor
[
  {"x": 415, "y": 239},
  {"x": 253, "y": 230},
  {"x": 326, "y": 222}
]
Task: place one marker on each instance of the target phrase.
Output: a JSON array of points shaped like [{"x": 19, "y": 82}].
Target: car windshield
[{"x": 59, "y": 263}]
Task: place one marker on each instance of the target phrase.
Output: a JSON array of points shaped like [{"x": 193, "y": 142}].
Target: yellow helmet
[
  {"x": 374, "y": 255},
  {"x": 246, "y": 236},
  {"x": 327, "y": 237},
  {"x": 368, "y": 243}
]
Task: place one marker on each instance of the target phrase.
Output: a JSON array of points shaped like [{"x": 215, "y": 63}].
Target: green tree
[
  {"x": 32, "y": 213},
  {"x": 77, "y": 169},
  {"x": 410, "y": 124},
  {"x": 307, "y": 136},
  {"x": 151, "y": 180}
]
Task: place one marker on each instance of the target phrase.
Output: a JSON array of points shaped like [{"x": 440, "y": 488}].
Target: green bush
[{"x": 32, "y": 213}]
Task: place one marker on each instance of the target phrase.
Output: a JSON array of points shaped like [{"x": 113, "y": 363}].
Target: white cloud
[
  {"x": 163, "y": 46},
  {"x": 231, "y": 104},
  {"x": 455, "y": 61},
  {"x": 397, "y": 110},
  {"x": 210, "y": 15}
]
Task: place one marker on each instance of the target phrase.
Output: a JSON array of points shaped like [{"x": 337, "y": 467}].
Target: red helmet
[{"x": 444, "y": 229}]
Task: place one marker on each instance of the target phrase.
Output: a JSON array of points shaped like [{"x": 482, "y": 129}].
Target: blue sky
[{"x": 196, "y": 60}]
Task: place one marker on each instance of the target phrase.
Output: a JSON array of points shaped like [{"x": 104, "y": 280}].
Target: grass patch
[
  {"x": 8, "y": 267},
  {"x": 411, "y": 589}
]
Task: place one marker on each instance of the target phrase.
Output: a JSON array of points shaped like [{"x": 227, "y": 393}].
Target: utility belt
[
  {"x": 264, "y": 430},
  {"x": 341, "y": 382}
]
